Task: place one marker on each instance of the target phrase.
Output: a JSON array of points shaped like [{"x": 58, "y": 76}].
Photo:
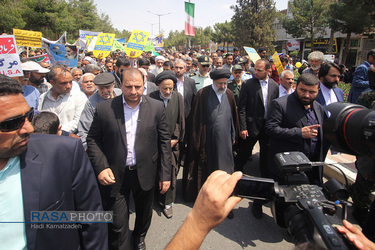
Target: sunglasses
[
  {"x": 205, "y": 65},
  {"x": 17, "y": 122}
]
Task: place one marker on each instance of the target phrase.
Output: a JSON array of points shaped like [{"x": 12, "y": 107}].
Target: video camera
[
  {"x": 306, "y": 210},
  {"x": 309, "y": 211}
]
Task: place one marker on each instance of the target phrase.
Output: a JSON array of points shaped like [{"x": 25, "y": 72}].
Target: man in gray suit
[
  {"x": 128, "y": 135},
  {"x": 185, "y": 85}
]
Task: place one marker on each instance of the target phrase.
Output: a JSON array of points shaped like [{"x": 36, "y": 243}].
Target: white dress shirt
[
  {"x": 283, "y": 91},
  {"x": 131, "y": 123},
  {"x": 264, "y": 86},
  {"x": 328, "y": 94},
  {"x": 180, "y": 87}
]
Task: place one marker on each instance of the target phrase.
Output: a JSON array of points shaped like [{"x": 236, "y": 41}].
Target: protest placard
[
  {"x": 103, "y": 45},
  {"x": 252, "y": 54},
  {"x": 277, "y": 62},
  {"x": 28, "y": 38},
  {"x": 10, "y": 64},
  {"x": 136, "y": 43}
]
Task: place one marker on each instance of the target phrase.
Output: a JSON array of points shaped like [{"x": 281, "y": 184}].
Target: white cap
[
  {"x": 33, "y": 66},
  {"x": 87, "y": 58},
  {"x": 160, "y": 58}
]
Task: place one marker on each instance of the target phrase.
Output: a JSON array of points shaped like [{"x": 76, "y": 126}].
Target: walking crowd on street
[{"x": 118, "y": 130}]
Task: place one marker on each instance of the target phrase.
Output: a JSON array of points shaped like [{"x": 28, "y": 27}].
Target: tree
[
  {"x": 349, "y": 16},
  {"x": 223, "y": 33},
  {"x": 309, "y": 19},
  {"x": 175, "y": 38},
  {"x": 202, "y": 36},
  {"x": 253, "y": 23},
  {"x": 11, "y": 16}
]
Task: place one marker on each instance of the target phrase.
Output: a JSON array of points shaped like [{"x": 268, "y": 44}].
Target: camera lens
[{"x": 351, "y": 128}]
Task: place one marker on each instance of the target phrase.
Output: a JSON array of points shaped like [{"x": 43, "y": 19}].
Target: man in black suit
[
  {"x": 128, "y": 135},
  {"x": 185, "y": 85},
  {"x": 145, "y": 64},
  {"x": 42, "y": 173},
  {"x": 255, "y": 97},
  {"x": 295, "y": 124}
]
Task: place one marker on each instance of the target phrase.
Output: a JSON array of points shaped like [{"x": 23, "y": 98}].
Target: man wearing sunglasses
[
  {"x": 201, "y": 77},
  {"x": 42, "y": 173}
]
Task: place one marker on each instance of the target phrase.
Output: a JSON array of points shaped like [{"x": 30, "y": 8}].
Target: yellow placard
[
  {"x": 28, "y": 38},
  {"x": 277, "y": 62},
  {"x": 27, "y": 33},
  {"x": 136, "y": 43},
  {"x": 103, "y": 45},
  {"x": 88, "y": 40},
  {"x": 252, "y": 54}
]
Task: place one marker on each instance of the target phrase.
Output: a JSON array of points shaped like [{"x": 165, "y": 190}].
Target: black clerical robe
[{"x": 213, "y": 129}]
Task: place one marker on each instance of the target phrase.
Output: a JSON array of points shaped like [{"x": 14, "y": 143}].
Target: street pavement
[{"x": 242, "y": 232}]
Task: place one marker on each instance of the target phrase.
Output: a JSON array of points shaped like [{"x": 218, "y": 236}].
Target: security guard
[
  {"x": 235, "y": 84},
  {"x": 201, "y": 77}
]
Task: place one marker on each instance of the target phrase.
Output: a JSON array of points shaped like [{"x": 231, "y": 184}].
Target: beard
[
  {"x": 330, "y": 85},
  {"x": 220, "y": 91},
  {"x": 158, "y": 70},
  {"x": 162, "y": 96},
  {"x": 35, "y": 81},
  {"x": 315, "y": 67},
  {"x": 303, "y": 100}
]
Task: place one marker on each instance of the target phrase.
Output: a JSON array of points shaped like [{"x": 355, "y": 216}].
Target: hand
[
  {"x": 309, "y": 132},
  {"x": 173, "y": 143},
  {"x": 106, "y": 177},
  {"x": 372, "y": 67},
  {"x": 244, "y": 134},
  {"x": 163, "y": 186},
  {"x": 212, "y": 205},
  {"x": 355, "y": 236}
]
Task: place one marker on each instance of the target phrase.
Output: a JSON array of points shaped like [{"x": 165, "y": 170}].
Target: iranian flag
[{"x": 189, "y": 23}]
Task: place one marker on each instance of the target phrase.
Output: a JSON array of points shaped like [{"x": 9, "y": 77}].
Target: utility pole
[{"x": 159, "y": 17}]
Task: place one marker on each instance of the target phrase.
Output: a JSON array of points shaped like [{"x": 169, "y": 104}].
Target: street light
[
  {"x": 159, "y": 17},
  {"x": 152, "y": 27}
]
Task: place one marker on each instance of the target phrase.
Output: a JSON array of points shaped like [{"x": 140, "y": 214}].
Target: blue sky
[{"x": 134, "y": 14}]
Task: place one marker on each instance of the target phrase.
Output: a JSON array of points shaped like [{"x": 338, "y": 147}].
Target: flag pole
[{"x": 189, "y": 36}]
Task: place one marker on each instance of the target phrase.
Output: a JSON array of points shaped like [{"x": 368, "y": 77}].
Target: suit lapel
[
  {"x": 119, "y": 114},
  {"x": 31, "y": 186}
]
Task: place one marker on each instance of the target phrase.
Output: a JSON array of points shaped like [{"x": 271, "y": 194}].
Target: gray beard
[{"x": 165, "y": 98}]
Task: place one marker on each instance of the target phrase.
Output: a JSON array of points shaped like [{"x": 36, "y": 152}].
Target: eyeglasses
[
  {"x": 205, "y": 65},
  {"x": 17, "y": 122}
]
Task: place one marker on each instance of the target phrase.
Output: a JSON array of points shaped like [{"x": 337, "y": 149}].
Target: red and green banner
[{"x": 189, "y": 23}]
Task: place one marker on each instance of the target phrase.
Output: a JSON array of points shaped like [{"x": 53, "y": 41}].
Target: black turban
[
  {"x": 220, "y": 73},
  {"x": 167, "y": 74}
]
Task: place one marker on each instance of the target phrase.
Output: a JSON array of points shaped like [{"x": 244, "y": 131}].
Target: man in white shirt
[
  {"x": 62, "y": 99},
  {"x": 286, "y": 83}
]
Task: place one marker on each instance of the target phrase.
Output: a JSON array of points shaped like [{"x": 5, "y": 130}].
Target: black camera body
[{"x": 304, "y": 209}]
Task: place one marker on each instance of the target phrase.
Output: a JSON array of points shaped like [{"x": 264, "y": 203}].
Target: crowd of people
[{"x": 138, "y": 120}]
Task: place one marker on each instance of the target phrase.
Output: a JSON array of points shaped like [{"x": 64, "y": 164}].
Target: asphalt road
[{"x": 242, "y": 232}]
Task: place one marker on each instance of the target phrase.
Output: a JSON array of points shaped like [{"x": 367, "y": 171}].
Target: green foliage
[
  {"x": 11, "y": 16},
  {"x": 309, "y": 19},
  {"x": 176, "y": 38},
  {"x": 202, "y": 36},
  {"x": 223, "y": 33},
  {"x": 54, "y": 17},
  {"x": 253, "y": 23},
  {"x": 350, "y": 16},
  {"x": 346, "y": 88}
]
